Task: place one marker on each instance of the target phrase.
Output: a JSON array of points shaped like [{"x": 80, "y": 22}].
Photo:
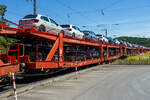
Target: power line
[
  {"x": 109, "y": 6},
  {"x": 136, "y": 22},
  {"x": 59, "y": 16},
  {"x": 80, "y": 12},
  {"x": 14, "y": 13},
  {"x": 88, "y": 11},
  {"x": 109, "y": 10},
  {"x": 130, "y": 8},
  {"x": 72, "y": 9},
  {"x": 68, "y": 16},
  {"x": 63, "y": 4},
  {"x": 112, "y": 4}
]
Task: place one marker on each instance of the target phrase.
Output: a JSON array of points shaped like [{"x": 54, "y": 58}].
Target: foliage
[
  {"x": 136, "y": 40},
  {"x": 138, "y": 59},
  {"x": 2, "y": 11},
  {"x": 5, "y": 41}
]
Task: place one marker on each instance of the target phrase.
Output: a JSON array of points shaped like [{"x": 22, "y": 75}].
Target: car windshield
[
  {"x": 45, "y": 18},
  {"x": 86, "y": 32},
  {"x": 65, "y": 26},
  {"x": 76, "y": 28},
  {"x": 90, "y": 32},
  {"x": 52, "y": 21},
  {"x": 30, "y": 16}
]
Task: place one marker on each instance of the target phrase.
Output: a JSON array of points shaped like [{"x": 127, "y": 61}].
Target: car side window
[
  {"x": 53, "y": 22},
  {"x": 77, "y": 28},
  {"x": 74, "y": 27},
  {"x": 44, "y": 18}
]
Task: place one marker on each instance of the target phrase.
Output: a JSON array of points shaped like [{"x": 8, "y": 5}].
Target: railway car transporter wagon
[{"x": 42, "y": 52}]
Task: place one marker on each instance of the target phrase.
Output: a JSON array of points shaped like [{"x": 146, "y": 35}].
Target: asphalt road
[{"x": 112, "y": 82}]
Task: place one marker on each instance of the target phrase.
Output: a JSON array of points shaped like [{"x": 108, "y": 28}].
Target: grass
[{"x": 134, "y": 60}]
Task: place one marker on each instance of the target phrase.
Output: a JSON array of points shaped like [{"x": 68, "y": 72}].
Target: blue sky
[{"x": 133, "y": 16}]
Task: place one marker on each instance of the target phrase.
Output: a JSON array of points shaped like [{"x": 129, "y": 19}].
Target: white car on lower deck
[{"x": 75, "y": 31}]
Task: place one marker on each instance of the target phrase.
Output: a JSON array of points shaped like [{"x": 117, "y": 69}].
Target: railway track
[{"x": 25, "y": 80}]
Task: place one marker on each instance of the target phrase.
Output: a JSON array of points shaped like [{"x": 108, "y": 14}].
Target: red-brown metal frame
[
  {"x": 6, "y": 69},
  {"x": 1, "y": 49},
  {"x": 17, "y": 50}
]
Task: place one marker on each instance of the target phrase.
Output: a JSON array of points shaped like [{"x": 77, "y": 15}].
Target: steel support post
[{"x": 61, "y": 49}]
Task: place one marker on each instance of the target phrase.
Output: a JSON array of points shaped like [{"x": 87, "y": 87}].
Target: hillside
[{"x": 140, "y": 41}]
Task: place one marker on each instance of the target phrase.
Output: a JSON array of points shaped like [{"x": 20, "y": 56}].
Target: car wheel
[
  {"x": 73, "y": 35},
  {"x": 42, "y": 28}
]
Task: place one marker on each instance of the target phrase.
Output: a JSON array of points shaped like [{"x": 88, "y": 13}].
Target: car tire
[
  {"x": 73, "y": 35},
  {"x": 42, "y": 28}
]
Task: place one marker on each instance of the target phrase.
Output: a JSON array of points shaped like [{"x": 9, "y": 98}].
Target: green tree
[
  {"x": 2, "y": 11},
  {"x": 136, "y": 40}
]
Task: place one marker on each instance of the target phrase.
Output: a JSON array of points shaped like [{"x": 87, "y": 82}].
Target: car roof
[
  {"x": 88, "y": 31},
  {"x": 85, "y": 31},
  {"x": 37, "y": 15},
  {"x": 67, "y": 24}
]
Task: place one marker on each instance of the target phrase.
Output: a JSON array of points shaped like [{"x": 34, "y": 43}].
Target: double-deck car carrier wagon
[{"x": 38, "y": 51}]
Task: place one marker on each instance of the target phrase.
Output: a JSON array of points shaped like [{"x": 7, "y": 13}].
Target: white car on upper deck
[
  {"x": 41, "y": 23},
  {"x": 102, "y": 38},
  {"x": 75, "y": 31}
]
